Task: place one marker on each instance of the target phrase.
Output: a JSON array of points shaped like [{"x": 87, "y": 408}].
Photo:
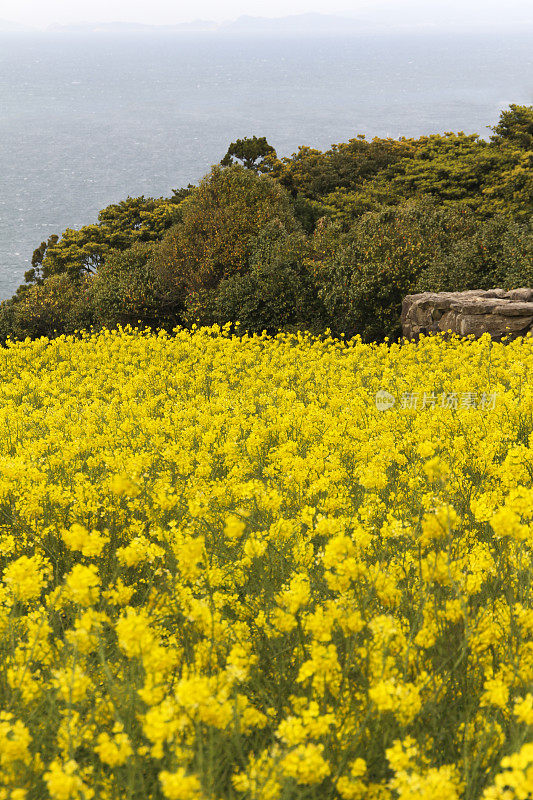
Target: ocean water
[{"x": 88, "y": 120}]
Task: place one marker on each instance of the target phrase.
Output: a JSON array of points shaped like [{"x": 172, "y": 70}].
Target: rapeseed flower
[{"x": 226, "y": 574}]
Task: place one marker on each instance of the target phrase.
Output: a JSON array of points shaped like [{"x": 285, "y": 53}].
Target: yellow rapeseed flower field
[{"x": 228, "y": 573}]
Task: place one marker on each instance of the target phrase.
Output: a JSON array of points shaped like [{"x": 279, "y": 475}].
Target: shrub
[
  {"x": 221, "y": 219},
  {"x": 52, "y": 307},
  {"x": 132, "y": 287},
  {"x": 84, "y": 251},
  {"x": 279, "y": 291},
  {"x": 497, "y": 253},
  {"x": 380, "y": 260}
]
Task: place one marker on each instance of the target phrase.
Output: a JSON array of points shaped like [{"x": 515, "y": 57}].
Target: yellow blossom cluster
[{"x": 227, "y": 573}]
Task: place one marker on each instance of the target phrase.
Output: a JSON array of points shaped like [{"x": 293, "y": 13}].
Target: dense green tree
[
  {"x": 314, "y": 174},
  {"x": 510, "y": 190},
  {"x": 496, "y": 253},
  {"x": 178, "y": 195},
  {"x": 7, "y": 320},
  {"x": 254, "y": 153},
  {"x": 319, "y": 239},
  {"x": 309, "y": 212},
  {"x": 120, "y": 225},
  {"x": 454, "y": 168},
  {"x": 516, "y": 126},
  {"x": 359, "y": 176},
  {"x": 278, "y": 292},
  {"x": 219, "y": 222},
  {"x": 130, "y": 288},
  {"x": 418, "y": 245},
  {"x": 54, "y": 306},
  {"x": 38, "y": 256},
  {"x": 380, "y": 260}
]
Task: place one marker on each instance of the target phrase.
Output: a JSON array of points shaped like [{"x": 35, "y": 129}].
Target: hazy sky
[{"x": 39, "y": 13}]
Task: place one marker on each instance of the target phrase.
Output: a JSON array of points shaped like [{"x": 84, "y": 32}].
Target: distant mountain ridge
[
  {"x": 133, "y": 27},
  {"x": 379, "y": 16},
  {"x": 6, "y": 26},
  {"x": 296, "y": 23}
]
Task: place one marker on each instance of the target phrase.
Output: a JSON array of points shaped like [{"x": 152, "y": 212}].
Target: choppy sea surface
[{"x": 86, "y": 120}]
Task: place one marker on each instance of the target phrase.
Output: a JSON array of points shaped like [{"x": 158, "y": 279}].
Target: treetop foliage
[
  {"x": 119, "y": 226},
  {"x": 253, "y": 153},
  {"x": 515, "y": 126}
]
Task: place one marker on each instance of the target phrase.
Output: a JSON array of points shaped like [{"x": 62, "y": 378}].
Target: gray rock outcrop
[{"x": 476, "y": 311}]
